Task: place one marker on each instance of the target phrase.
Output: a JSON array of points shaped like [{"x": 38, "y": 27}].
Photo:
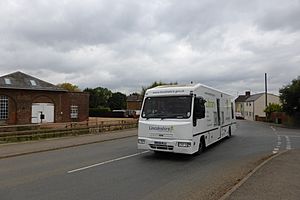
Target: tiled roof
[
  {"x": 254, "y": 97},
  {"x": 19, "y": 80},
  {"x": 241, "y": 98}
]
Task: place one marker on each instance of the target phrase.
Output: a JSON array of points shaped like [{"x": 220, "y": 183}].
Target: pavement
[
  {"x": 23, "y": 148},
  {"x": 277, "y": 178}
]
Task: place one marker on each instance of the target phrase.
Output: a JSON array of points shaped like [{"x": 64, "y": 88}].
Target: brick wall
[
  {"x": 134, "y": 105},
  {"x": 20, "y": 104},
  {"x": 80, "y": 99}
]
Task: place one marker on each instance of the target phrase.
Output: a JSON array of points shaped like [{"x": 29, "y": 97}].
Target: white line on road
[
  {"x": 288, "y": 143},
  {"x": 273, "y": 128},
  {"x": 106, "y": 162},
  {"x": 292, "y": 136},
  {"x": 287, "y": 138},
  {"x": 276, "y": 149}
]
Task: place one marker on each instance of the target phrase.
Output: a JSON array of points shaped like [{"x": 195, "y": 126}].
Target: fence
[{"x": 70, "y": 129}]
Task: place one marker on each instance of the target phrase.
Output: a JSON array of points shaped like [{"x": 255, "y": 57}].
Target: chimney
[{"x": 247, "y": 93}]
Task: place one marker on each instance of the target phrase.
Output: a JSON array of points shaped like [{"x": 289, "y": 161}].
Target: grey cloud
[
  {"x": 124, "y": 45},
  {"x": 79, "y": 22},
  {"x": 283, "y": 17}
]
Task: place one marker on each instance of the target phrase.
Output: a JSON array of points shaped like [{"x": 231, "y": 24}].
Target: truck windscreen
[{"x": 176, "y": 107}]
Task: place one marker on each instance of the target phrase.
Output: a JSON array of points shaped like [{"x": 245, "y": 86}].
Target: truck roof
[{"x": 179, "y": 89}]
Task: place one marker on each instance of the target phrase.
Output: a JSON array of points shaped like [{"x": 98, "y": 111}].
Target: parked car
[{"x": 239, "y": 115}]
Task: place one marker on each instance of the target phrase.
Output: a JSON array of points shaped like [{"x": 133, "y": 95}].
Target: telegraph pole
[{"x": 266, "y": 92}]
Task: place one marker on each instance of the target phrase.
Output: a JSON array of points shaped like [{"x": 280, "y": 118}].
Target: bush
[
  {"x": 97, "y": 112},
  {"x": 105, "y": 112}
]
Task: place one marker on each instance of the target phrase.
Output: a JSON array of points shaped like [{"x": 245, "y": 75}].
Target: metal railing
[{"x": 71, "y": 129}]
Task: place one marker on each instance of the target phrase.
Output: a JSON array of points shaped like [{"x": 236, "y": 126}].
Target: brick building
[
  {"x": 134, "y": 102},
  {"x": 25, "y": 99}
]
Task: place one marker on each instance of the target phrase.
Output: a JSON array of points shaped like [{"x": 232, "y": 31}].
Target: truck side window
[{"x": 199, "y": 108}]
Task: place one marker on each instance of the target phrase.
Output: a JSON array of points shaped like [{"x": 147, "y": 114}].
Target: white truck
[{"x": 184, "y": 119}]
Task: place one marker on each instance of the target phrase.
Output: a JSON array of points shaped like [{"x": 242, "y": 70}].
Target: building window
[
  {"x": 249, "y": 104},
  {"x": 74, "y": 112},
  {"x": 7, "y": 81},
  {"x": 3, "y": 107},
  {"x": 33, "y": 83}
]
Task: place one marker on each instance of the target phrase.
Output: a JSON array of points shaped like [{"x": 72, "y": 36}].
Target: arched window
[{"x": 3, "y": 107}]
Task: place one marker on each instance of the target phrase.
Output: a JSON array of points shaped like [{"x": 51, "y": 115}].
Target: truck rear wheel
[
  {"x": 229, "y": 132},
  {"x": 201, "y": 146}
]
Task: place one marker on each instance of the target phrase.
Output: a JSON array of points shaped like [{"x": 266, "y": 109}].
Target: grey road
[{"x": 116, "y": 170}]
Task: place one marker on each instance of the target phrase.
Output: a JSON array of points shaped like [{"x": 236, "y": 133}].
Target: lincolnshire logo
[{"x": 161, "y": 128}]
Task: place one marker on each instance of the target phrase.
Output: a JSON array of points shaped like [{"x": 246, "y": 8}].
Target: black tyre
[
  {"x": 229, "y": 132},
  {"x": 201, "y": 146}
]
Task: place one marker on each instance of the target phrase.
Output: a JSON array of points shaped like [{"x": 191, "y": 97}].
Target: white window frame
[
  {"x": 3, "y": 107},
  {"x": 74, "y": 112},
  {"x": 7, "y": 81},
  {"x": 33, "y": 82}
]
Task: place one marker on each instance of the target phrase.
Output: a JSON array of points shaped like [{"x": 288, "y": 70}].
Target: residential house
[
  {"x": 25, "y": 99},
  {"x": 240, "y": 103},
  {"x": 134, "y": 102},
  {"x": 253, "y": 106}
]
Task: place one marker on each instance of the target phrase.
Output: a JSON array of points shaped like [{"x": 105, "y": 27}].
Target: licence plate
[{"x": 160, "y": 143}]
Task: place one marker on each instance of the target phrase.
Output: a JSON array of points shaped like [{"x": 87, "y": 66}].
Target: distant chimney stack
[{"x": 247, "y": 93}]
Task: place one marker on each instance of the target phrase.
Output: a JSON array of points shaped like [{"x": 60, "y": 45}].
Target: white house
[{"x": 254, "y": 105}]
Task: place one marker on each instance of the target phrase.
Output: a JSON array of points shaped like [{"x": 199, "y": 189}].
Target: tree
[
  {"x": 290, "y": 97},
  {"x": 272, "y": 107},
  {"x": 69, "y": 86},
  {"x": 155, "y": 84},
  {"x": 117, "y": 101},
  {"x": 98, "y": 97}
]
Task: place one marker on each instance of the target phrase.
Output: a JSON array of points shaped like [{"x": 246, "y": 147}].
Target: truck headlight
[
  {"x": 141, "y": 141},
  {"x": 184, "y": 144}
]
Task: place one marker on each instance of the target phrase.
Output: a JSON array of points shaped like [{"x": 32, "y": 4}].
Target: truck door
[{"x": 219, "y": 118}]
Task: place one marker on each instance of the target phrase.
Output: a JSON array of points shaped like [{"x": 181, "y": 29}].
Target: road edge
[{"x": 241, "y": 182}]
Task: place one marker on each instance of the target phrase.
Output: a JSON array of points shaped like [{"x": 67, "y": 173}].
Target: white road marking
[
  {"x": 106, "y": 162},
  {"x": 276, "y": 149},
  {"x": 273, "y": 128},
  {"x": 293, "y": 135},
  {"x": 288, "y": 143}
]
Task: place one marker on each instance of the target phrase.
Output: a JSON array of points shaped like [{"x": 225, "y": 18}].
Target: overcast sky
[{"x": 126, "y": 44}]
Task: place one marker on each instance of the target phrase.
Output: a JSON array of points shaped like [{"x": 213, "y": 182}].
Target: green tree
[
  {"x": 98, "y": 97},
  {"x": 69, "y": 86},
  {"x": 290, "y": 97},
  {"x": 155, "y": 84},
  {"x": 117, "y": 101},
  {"x": 272, "y": 107}
]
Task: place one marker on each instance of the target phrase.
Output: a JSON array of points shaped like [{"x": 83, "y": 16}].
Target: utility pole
[{"x": 266, "y": 93}]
